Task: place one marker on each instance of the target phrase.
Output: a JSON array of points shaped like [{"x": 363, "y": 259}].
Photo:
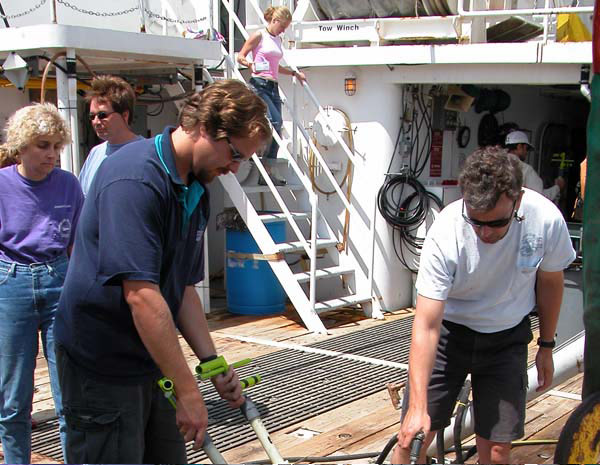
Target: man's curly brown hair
[
  {"x": 488, "y": 173},
  {"x": 226, "y": 108}
]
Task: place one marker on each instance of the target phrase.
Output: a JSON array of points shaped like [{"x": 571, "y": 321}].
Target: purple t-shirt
[{"x": 37, "y": 218}]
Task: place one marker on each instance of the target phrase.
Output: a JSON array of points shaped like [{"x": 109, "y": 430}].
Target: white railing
[{"x": 369, "y": 222}]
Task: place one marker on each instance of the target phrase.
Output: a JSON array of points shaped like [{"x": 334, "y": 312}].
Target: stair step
[
  {"x": 288, "y": 187},
  {"x": 287, "y": 247},
  {"x": 324, "y": 273},
  {"x": 340, "y": 302},
  {"x": 272, "y": 217}
]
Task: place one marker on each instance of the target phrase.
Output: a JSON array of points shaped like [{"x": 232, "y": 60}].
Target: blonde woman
[
  {"x": 39, "y": 208},
  {"x": 267, "y": 51}
]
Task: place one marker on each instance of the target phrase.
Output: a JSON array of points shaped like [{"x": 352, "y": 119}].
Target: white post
[
  {"x": 231, "y": 45},
  {"x": 62, "y": 97},
  {"x": 142, "y": 16},
  {"x": 53, "y": 18},
  {"x": 314, "y": 198},
  {"x": 72, "y": 109}
]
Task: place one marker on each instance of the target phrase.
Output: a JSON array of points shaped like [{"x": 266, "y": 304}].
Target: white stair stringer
[
  {"x": 355, "y": 267},
  {"x": 281, "y": 269}
]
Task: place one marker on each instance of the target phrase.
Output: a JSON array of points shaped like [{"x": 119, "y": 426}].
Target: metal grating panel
[{"x": 296, "y": 386}]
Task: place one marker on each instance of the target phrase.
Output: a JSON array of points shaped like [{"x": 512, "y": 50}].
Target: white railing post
[
  {"x": 314, "y": 199},
  {"x": 53, "y": 18},
  {"x": 524, "y": 12}
]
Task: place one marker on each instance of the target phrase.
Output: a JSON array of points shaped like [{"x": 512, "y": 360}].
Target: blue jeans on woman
[
  {"x": 28, "y": 300},
  {"x": 269, "y": 92}
]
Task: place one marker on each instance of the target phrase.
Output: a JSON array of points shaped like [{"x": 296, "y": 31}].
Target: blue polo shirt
[{"x": 132, "y": 227}]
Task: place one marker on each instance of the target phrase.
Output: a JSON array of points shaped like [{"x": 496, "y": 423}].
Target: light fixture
[
  {"x": 350, "y": 83},
  {"x": 15, "y": 70}
]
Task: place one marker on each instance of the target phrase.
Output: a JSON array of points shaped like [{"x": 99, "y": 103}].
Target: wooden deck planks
[{"x": 361, "y": 426}]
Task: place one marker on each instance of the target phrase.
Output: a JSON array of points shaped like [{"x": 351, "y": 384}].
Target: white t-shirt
[
  {"x": 533, "y": 181},
  {"x": 94, "y": 159},
  {"x": 491, "y": 287}
]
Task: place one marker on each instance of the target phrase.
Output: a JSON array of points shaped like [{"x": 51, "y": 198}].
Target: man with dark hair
[
  {"x": 517, "y": 143},
  {"x": 130, "y": 285},
  {"x": 476, "y": 287},
  {"x": 111, "y": 101}
]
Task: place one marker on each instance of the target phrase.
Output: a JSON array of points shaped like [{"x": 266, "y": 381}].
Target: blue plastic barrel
[{"x": 252, "y": 287}]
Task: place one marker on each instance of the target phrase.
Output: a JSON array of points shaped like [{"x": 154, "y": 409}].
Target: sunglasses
[
  {"x": 102, "y": 115},
  {"x": 236, "y": 155},
  {"x": 490, "y": 224}
]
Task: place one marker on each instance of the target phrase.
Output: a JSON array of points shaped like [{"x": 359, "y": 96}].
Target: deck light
[
  {"x": 350, "y": 83},
  {"x": 15, "y": 70}
]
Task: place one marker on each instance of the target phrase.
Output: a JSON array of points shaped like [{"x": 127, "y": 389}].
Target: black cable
[
  {"x": 335, "y": 458},
  {"x": 463, "y": 403},
  {"x": 405, "y": 213},
  {"x": 439, "y": 442},
  {"x": 4, "y": 16},
  {"x": 387, "y": 449}
]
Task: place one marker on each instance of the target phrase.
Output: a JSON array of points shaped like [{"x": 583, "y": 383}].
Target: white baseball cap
[{"x": 517, "y": 137}]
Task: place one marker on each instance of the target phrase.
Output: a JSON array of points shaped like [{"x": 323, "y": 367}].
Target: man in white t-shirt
[
  {"x": 518, "y": 144},
  {"x": 111, "y": 100},
  {"x": 476, "y": 287}
]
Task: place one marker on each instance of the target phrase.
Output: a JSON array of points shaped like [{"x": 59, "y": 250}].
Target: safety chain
[
  {"x": 96, "y": 13},
  {"x": 151, "y": 14},
  {"x": 26, "y": 12}
]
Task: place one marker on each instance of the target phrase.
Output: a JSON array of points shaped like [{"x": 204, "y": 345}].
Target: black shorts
[{"x": 498, "y": 366}]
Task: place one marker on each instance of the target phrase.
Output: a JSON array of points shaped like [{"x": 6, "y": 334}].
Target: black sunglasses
[
  {"x": 490, "y": 224},
  {"x": 101, "y": 115},
  {"x": 236, "y": 155}
]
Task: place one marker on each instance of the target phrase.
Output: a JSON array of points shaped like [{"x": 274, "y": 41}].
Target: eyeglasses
[
  {"x": 236, "y": 155},
  {"x": 102, "y": 115},
  {"x": 490, "y": 224}
]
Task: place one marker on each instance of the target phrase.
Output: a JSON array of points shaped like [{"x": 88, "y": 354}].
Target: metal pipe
[
  {"x": 263, "y": 436},
  {"x": 584, "y": 88},
  {"x": 142, "y": 16},
  {"x": 53, "y": 18},
  {"x": 314, "y": 198},
  {"x": 523, "y": 12},
  {"x": 568, "y": 362},
  {"x": 72, "y": 110}
]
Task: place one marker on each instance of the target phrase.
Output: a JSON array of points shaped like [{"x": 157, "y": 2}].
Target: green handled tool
[
  {"x": 217, "y": 366},
  {"x": 168, "y": 388}
]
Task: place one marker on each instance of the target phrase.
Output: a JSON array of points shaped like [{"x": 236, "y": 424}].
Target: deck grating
[{"x": 296, "y": 386}]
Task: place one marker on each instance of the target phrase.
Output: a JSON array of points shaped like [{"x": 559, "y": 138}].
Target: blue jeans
[
  {"x": 28, "y": 299},
  {"x": 269, "y": 92}
]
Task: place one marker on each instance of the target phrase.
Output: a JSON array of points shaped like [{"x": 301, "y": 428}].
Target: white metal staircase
[{"x": 313, "y": 233}]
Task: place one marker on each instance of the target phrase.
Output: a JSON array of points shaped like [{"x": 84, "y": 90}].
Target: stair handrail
[
  {"x": 306, "y": 86},
  {"x": 351, "y": 157},
  {"x": 259, "y": 165},
  {"x": 307, "y": 137}
]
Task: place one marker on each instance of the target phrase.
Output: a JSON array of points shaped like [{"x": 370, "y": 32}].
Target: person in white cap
[{"x": 518, "y": 144}]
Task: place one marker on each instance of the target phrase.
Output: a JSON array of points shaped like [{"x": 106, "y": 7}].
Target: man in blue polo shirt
[{"x": 130, "y": 285}]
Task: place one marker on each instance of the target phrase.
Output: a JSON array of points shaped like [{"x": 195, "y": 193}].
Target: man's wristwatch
[{"x": 546, "y": 344}]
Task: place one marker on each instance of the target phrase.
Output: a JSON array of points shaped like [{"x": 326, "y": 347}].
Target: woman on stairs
[{"x": 267, "y": 51}]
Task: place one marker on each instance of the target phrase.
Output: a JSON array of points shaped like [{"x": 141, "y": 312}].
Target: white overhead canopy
[{"x": 104, "y": 47}]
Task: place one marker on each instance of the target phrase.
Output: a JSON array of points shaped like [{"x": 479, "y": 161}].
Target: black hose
[
  {"x": 401, "y": 212},
  {"x": 439, "y": 442},
  {"x": 333, "y": 458},
  {"x": 387, "y": 449},
  {"x": 463, "y": 401}
]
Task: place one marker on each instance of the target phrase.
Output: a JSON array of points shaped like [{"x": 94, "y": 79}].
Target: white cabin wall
[
  {"x": 374, "y": 115},
  {"x": 11, "y": 100}
]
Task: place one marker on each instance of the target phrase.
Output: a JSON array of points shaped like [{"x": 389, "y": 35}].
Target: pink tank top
[{"x": 267, "y": 55}]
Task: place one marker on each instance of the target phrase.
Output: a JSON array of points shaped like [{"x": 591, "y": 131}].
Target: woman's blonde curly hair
[{"x": 27, "y": 124}]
